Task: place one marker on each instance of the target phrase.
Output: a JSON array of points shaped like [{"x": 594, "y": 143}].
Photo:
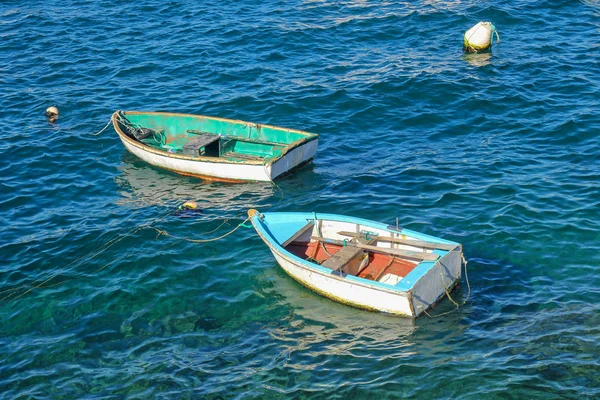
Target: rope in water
[
  {"x": 13, "y": 294},
  {"x": 217, "y": 228},
  {"x": 497, "y": 34},
  {"x": 103, "y": 129},
  {"x": 446, "y": 290},
  {"x": 86, "y": 257},
  {"x": 264, "y": 165},
  {"x": 38, "y": 283},
  {"x": 466, "y": 278},
  {"x": 165, "y": 233}
]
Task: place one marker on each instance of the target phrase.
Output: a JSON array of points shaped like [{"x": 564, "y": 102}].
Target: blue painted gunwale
[{"x": 291, "y": 222}]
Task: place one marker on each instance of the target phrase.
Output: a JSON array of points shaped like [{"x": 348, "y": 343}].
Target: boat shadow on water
[
  {"x": 314, "y": 319},
  {"x": 141, "y": 185}
]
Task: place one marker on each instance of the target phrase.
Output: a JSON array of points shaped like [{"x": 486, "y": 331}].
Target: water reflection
[
  {"x": 142, "y": 185},
  {"x": 478, "y": 59},
  {"x": 592, "y": 3},
  {"x": 324, "y": 327}
]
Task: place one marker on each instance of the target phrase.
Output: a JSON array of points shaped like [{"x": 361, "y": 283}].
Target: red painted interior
[{"x": 375, "y": 269}]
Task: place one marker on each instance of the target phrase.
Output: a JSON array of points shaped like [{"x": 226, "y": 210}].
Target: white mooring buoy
[
  {"x": 479, "y": 37},
  {"x": 52, "y": 114}
]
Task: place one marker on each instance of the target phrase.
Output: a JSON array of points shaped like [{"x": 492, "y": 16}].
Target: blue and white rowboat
[{"x": 362, "y": 263}]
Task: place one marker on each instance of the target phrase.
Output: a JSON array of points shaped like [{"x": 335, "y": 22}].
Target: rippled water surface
[{"x": 497, "y": 151}]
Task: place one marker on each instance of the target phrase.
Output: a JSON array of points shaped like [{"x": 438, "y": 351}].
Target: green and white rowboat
[{"x": 214, "y": 148}]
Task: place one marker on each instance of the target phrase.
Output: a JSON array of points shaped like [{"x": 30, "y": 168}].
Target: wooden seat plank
[
  {"x": 193, "y": 146},
  {"x": 296, "y": 235},
  {"x": 342, "y": 257}
]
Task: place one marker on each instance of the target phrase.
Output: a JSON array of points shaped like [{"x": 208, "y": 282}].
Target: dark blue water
[{"x": 497, "y": 151}]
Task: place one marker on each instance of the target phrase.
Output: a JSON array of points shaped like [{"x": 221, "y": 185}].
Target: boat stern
[{"x": 439, "y": 280}]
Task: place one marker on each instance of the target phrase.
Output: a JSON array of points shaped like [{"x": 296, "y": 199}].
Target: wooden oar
[
  {"x": 409, "y": 242},
  {"x": 419, "y": 255}
]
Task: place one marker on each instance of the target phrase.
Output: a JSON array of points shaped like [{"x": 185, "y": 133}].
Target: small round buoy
[
  {"x": 479, "y": 37},
  {"x": 52, "y": 114},
  {"x": 188, "y": 209},
  {"x": 190, "y": 205}
]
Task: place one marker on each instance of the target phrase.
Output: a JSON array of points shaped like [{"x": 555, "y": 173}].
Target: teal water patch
[{"x": 496, "y": 151}]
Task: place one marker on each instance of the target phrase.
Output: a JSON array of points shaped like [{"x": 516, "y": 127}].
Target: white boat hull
[
  {"x": 345, "y": 290},
  {"x": 427, "y": 292},
  {"x": 221, "y": 170},
  {"x": 409, "y": 296}
]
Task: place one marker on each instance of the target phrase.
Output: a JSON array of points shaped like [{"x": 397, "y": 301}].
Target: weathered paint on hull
[
  {"x": 423, "y": 286},
  {"x": 294, "y": 158},
  {"x": 223, "y": 171},
  {"x": 346, "y": 291},
  {"x": 437, "y": 282}
]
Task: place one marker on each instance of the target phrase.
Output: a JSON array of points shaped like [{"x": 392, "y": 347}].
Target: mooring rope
[
  {"x": 11, "y": 293},
  {"x": 131, "y": 127},
  {"x": 497, "y": 35},
  {"x": 446, "y": 290},
  {"x": 264, "y": 165},
  {"x": 226, "y": 220},
  {"x": 66, "y": 268},
  {"x": 165, "y": 233},
  {"x": 325, "y": 250},
  {"x": 464, "y": 261},
  {"x": 466, "y": 278},
  {"x": 103, "y": 129},
  {"x": 38, "y": 283}
]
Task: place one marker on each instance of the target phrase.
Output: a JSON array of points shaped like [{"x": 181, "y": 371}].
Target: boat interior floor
[
  {"x": 231, "y": 155},
  {"x": 378, "y": 268},
  {"x": 203, "y": 146}
]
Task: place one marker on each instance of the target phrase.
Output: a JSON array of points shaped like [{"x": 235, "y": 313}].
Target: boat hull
[
  {"x": 416, "y": 292},
  {"x": 437, "y": 282},
  {"x": 345, "y": 291},
  {"x": 223, "y": 171},
  {"x": 295, "y": 154}
]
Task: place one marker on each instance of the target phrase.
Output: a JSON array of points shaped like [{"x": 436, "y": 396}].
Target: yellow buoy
[
  {"x": 479, "y": 37},
  {"x": 190, "y": 205}
]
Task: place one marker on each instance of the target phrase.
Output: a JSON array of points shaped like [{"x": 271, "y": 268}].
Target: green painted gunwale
[{"x": 175, "y": 126}]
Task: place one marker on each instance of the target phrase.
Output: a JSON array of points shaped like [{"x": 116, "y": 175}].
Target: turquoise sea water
[{"x": 497, "y": 151}]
